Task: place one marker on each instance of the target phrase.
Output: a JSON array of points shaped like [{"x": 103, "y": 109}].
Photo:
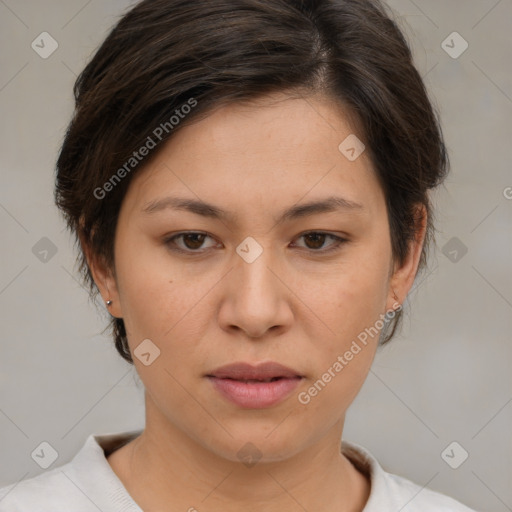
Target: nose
[{"x": 255, "y": 296}]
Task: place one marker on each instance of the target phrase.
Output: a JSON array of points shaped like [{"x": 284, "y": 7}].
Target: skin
[{"x": 292, "y": 305}]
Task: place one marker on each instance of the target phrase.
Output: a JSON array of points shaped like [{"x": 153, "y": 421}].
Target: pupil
[
  {"x": 198, "y": 244},
  {"x": 318, "y": 237}
]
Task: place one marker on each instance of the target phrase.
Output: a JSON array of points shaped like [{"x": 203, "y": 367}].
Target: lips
[
  {"x": 264, "y": 372},
  {"x": 255, "y": 387}
]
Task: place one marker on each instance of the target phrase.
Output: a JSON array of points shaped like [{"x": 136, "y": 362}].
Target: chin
[{"x": 252, "y": 445}]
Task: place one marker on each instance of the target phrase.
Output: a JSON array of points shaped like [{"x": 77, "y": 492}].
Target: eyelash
[{"x": 338, "y": 242}]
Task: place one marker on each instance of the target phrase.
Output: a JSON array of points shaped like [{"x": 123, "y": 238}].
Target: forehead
[{"x": 272, "y": 150}]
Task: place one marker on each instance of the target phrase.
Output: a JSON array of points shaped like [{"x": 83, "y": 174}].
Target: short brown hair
[{"x": 162, "y": 53}]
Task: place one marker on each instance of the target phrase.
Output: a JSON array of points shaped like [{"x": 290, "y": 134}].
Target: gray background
[{"x": 446, "y": 378}]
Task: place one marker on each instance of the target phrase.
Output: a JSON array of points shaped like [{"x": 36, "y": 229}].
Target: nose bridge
[
  {"x": 254, "y": 302},
  {"x": 256, "y": 260}
]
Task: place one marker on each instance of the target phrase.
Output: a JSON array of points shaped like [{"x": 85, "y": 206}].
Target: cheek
[
  {"x": 351, "y": 307},
  {"x": 354, "y": 297},
  {"x": 148, "y": 297},
  {"x": 170, "y": 308},
  {"x": 158, "y": 308},
  {"x": 343, "y": 358}
]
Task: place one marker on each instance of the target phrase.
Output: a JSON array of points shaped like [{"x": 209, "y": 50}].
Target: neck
[{"x": 165, "y": 465}]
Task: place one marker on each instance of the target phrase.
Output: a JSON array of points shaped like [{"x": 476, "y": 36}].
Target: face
[{"x": 307, "y": 290}]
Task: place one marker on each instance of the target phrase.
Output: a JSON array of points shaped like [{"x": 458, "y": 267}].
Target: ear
[
  {"x": 403, "y": 275},
  {"x": 104, "y": 279}
]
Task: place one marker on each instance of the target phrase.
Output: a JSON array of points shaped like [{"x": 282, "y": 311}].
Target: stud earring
[{"x": 108, "y": 303}]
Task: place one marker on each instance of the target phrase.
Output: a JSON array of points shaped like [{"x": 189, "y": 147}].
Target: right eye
[{"x": 191, "y": 240}]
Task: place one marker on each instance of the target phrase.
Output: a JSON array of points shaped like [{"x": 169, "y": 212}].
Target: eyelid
[
  {"x": 336, "y": 245},
  {"x": 170, "y": 240},
  {"x": 338, "y": 241}
]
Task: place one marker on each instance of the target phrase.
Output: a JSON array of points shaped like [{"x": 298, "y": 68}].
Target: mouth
[
  {"x": 260, "y": 372},
  {"x": 255, "y": 387},
  {"x": 273, "y": 379}
]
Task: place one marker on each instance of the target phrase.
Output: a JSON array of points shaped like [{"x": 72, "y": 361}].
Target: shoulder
[
  {"x": 390, "y": 492},
  {"x": 85, "y": 484},
  {"x": 53, "y": 490},
  {"x": 415, "y": 498}
]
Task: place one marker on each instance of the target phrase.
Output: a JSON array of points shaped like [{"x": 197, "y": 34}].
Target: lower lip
[{"x": 255, "y": 395}]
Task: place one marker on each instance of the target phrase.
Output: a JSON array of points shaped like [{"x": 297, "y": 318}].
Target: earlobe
[
  {"x": 404, "y": 275},
  {"x": 104, "y": 280},
  {"x": 397, "y": 302}
]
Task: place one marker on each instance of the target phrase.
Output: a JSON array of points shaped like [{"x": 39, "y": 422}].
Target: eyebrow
[{"x": 329, "y": 204}]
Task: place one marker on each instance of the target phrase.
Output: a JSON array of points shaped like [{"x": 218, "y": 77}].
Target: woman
[{"x": 249, "y": 184}]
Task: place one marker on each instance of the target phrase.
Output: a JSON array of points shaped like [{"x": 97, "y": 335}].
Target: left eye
[
  {"x": 317, "y": 239},
  {"x": 193, "y": 241}
]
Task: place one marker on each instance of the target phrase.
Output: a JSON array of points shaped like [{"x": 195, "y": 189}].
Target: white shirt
[{"x": 88, "y": 484}]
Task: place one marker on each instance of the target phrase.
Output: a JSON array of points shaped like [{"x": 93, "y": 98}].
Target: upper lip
[{"x": 246, "y": 371}]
